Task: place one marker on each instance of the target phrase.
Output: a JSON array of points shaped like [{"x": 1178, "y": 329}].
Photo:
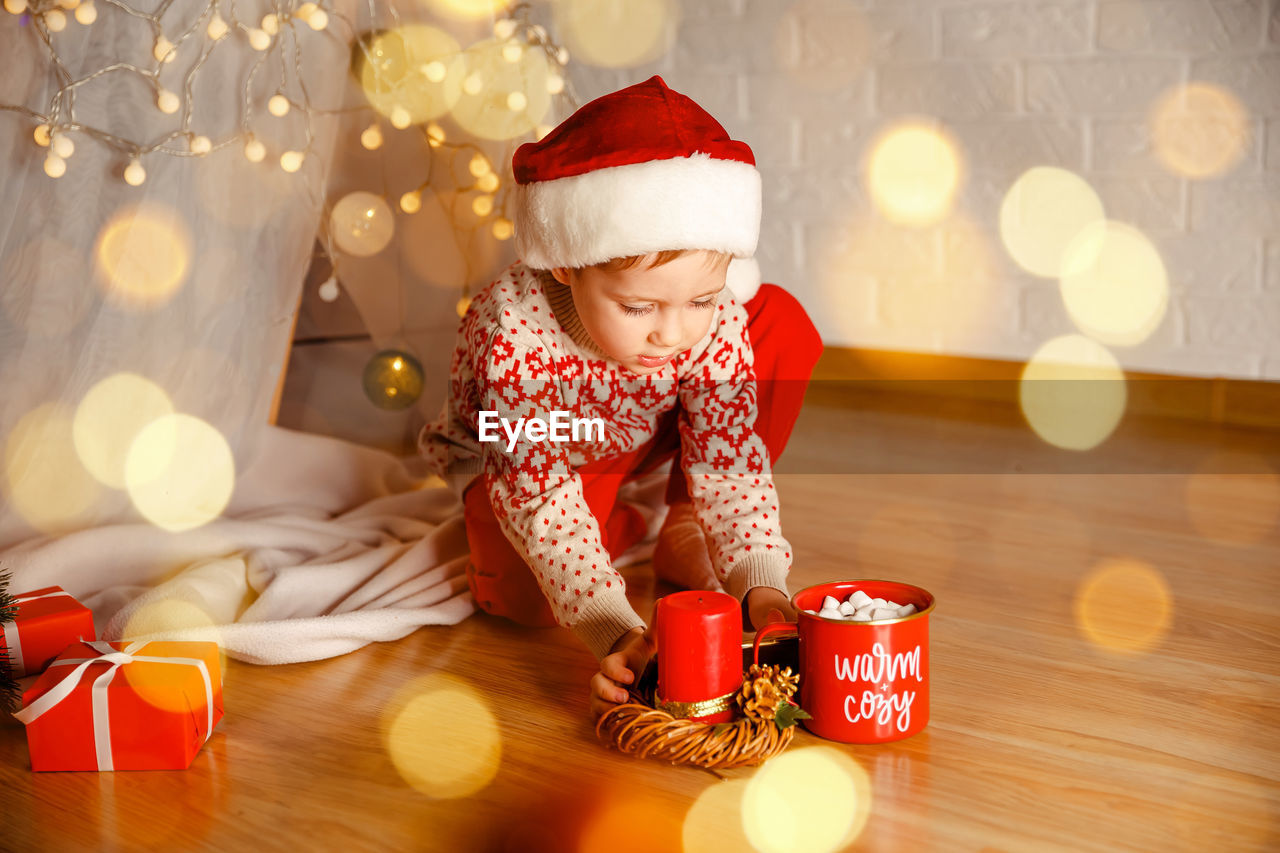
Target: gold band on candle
[{"x": 705, "y": 708}]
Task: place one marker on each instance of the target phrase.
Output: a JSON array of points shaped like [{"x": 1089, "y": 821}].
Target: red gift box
[
  {"x": 48, "y": 621},
  {"x": 112, "y": 706}
]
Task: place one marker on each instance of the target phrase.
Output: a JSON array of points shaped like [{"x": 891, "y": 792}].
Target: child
[{"x": 618, "y": 316}]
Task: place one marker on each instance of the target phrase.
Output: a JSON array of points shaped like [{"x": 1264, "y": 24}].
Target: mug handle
[{"x": 771, "y": 628}]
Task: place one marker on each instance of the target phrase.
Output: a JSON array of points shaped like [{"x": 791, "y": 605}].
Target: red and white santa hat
[{"x": 640, "y": 170}]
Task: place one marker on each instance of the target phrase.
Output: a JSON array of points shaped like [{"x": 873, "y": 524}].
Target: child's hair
[{"x": 666, "y": 256}]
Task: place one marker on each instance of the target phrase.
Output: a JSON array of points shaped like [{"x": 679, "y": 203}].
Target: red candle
[{"x": 699, "y": 654}]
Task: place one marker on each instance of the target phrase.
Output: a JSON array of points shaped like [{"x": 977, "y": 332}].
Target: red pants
[{"x": 786, "y": 347}]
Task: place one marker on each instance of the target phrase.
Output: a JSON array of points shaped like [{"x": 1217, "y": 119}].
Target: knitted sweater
[{"x": 522, "y": 352}]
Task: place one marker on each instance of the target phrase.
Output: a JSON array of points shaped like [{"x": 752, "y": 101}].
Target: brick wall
[{"x": 1065, "y": 83}]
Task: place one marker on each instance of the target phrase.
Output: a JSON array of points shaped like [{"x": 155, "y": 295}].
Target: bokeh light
[
  {"x": 887, "y": 283},
  {"x": 617, "y": 33},
  {"x": 143, "y": 255},
  {"x": 1114, "y": 284},
  {"x": 913, "y": 173},
  {"x": 172, "y": 620},
  {"x": 1124, "y": 606},
  {"x": 1199, "y": 130},
  {"x": 1233, "y": 498},
  {"x": 60, "y": 302},
  {"x": 713, "y": 823},
  {"x": 110, "y": 417},
  {"x": 412, "y": 72},
  {"x": 1042, "y": 213},
  {"x": 468, "y": 10},
  {"x": 814, "y": 799},
  {"x": 485, "y": 108},
  {"x": 442, "y": 737},
  {"x": 1073, "y": 392},
  {"x": 179, "y": 472},
  {"x": 629, "y": 819},
  {"x": 47, "y": 485},
  {"x": 362, "y": 223}
]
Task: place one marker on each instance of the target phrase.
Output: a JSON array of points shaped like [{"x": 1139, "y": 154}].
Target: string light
[
  {"x": 201, "y": 145},
  {"x": 371, "y": 137},
  {"x": 41, "y": 135},
  {"x": 504, "y": 29},
  {"x": 329, "y": 290},
  {"x": 258, "y": 39},
  {"x": 134, "y": 174},
  {"x": 164, "y": 50},
  {"x": 55, "y": 20},
  {"x": 254, "y": 151},
  {"x": 516, "y": 101},
  {"x": 482, "y": 205},
  {"x": 87, "y": 13},
  {"x": 270, "y": 24},
  {"x": 400, "y": 118},
  {"x": 411, "y": 202},
  {"x": 291, "y": 161},
  {"x": 488, "y": 183},
  {"x": 512, "y": 52},
  {"x": 167, "y": 101},
  {"x": 434, "y": 71},
  {"x": 62, "y": 146},
  {"x": 54, "y": 166},
  {"x": 503, "y": 228},
  {"x": 217, "y": 27},
  {"x": 15, "y": 7},
  {"x": 479, "y": 165},
  {"x": 318, "y": 20},
  {"x": 278, "y": 106}
]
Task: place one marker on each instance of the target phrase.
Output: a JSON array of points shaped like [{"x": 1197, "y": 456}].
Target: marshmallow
[
  {"x": 860, "y": 617},
  {"x": 885, "y": 613},
  {"x": 812, "y": 612},
  {"x": 879, "y": 602},
  {"x": 830, "y": 603},
  {"x": 865, "y": 611},
  {"x": 892, "y": 604},
  {"x": 859, "y": 599},
  {"x": 826, "y": 613},
  {"x": 846, "y": 608},
  {"x": 906, "y": 610}
]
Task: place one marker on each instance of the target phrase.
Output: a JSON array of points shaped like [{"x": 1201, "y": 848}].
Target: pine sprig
[{"x": 9, "y": 692}]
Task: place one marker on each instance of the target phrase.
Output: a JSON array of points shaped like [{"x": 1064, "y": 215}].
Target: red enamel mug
[{"x": 861, "y": 682}]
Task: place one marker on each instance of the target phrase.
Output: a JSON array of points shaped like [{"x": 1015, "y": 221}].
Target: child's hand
[
  {"x": 619, "y": 669},
  {"x": 766, "y": 604}
]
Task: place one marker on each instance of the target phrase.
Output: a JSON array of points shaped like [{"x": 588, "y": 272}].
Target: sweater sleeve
[
  {"x": 727, "y": 464},
  {"x": 538, "y": 499}
]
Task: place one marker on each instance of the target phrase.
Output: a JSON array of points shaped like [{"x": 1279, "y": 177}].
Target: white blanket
[{"x": 327, "y": 546}]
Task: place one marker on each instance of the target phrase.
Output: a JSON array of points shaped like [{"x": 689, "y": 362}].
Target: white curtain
[{"x": 324, "y": 546}]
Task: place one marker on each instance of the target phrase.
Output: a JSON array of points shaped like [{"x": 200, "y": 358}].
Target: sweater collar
[{"x": 560, "y": 298}]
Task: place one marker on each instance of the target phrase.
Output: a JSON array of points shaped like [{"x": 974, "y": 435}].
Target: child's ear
[{"x": 560, "y": 274}]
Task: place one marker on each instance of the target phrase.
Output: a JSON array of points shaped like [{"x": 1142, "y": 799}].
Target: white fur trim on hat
[
  {"x": 743, "y": 279},
  {"x": 695, "y": 202}
]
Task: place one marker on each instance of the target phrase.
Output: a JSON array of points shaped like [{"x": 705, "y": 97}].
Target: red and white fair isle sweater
[{"x": 522, "y": 352}]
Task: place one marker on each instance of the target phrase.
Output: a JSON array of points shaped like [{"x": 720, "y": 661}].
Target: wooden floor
[{"x": 1106, "y": 676}]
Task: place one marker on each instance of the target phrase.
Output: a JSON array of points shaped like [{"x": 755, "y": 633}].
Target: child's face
[{"x": 643, "y": 317}]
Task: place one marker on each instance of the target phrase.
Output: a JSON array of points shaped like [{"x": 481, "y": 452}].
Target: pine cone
[{"x": 759, "y": 697}]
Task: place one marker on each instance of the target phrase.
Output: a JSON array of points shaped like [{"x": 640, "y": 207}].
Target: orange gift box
[
  {"x": 48, "y": 621},
  {"x": 117, "y": 706}
]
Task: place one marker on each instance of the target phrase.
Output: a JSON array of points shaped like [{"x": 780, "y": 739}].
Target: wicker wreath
[{"x": 765, "y": 728}]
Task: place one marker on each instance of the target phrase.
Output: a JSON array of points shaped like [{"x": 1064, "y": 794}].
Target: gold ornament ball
[
  {"x": 393, "y": 380},
  {"x": 254, "y": 151},
  {"x": 278, "y": 106},
  {"x": 362, "y": 224}
]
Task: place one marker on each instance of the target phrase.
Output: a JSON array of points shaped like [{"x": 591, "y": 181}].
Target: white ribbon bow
[
  {"x": 101, "y": 716},
  {"x": 11, "y": 638}
]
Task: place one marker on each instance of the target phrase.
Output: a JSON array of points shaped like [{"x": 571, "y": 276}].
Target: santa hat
[{"x": 640, "y": 170}]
